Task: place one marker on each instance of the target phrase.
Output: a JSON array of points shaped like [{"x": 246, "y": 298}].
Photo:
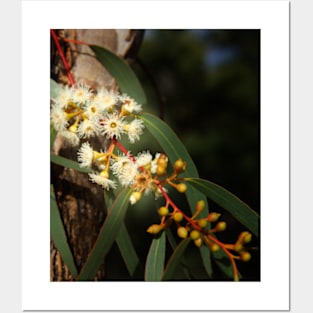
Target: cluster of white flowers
[
  {"x": 80, "y": 113},
  {"x": 138, "y": 172}
]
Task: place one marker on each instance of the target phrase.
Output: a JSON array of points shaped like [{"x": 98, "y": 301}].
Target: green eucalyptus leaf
[
  {"x": 59, "y": 237},
  {"x": 127, "y": 250},
  {"x": 53, "y": 134},
  {"x": 175, "y": 150},
  {"x": 57, "y": 159},
  {"x": 122, "y": 72},
  {"x": 175, "y": 259},
  {"x": 206, "y": 259},
  {"x": 55, "y": 89},
  {"x": 237, "y": 208},
  {"x": 107, "y": 236},
  {"x": 123, "y": 239},
  {"x": 155, "y": 259}
]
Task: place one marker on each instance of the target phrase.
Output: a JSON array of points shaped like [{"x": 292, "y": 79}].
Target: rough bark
[{"x": 80, "y": 202}]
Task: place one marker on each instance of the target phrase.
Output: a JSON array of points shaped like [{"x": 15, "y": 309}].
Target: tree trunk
[{"x": 80, "y": 202}]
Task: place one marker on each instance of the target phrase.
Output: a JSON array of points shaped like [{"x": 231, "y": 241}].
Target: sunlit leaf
[
  {"x": 57, "y": 159},
  {"x": 59, "y": 237},
  {"x": 237, "y": 208},
  {"x": 122, "y": 72},
  {"x": 107, "y": 236},
  {"x": 155, "y": 259},
  {"x": 55, "y": 89}
]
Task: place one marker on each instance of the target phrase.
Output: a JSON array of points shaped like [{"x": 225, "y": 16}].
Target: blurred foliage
[
  {"x": 206, "y": 85},
  {"x": 209, "y": 81}
]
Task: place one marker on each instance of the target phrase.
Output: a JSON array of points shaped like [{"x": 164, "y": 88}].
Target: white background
[{"x": 272, "y": 293}]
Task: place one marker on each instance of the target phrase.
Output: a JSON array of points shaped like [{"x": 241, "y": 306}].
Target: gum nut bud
[
  {"x": 180, "y": 166},
  {"x": 181, "y": 187},
  {"x": 238, "y": 247},
  {"x": 202, "y": 222},
  {"x": 163, "y": 211},
  {"x": 198, "y": 242},
  {"x": 245, "y": 256},
  {"x": 213, "y": 217},
  {"x": 178, "y": 217},
  {"x": 161, "y": 170},
  {"x": 194, "y": 234},
  {"x": 162, "y": 161},
  {"x": 214, "y": 247},
  {"x": 200, "y": 205},
  {"x": 182, "y": 232},
  {"x": 154, "y": 229},
  {"x": 135, "y": 197},
  {"x": 221, "y": 226},
  {"x": 247, "y": 237}
]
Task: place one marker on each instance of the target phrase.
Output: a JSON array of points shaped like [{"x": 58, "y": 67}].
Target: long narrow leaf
[
  {"x": 107, "y": 236},
  {"x": 237, "y": 208},
  {"x": 175, "y": 149},
  {"x": 155, "y": 259},
  {"x": 127, "y": 250},
  {"x": 175, "y": 259},
  {"x": 122, "y": 72},
  {"x": 206, "y": 259},
  {"x": 53, "y": 134},
  {"x": 123, "y": 239},
  {"x": 57, "y": 159},
  {"x": 59, "y": 237},
  {"x": 55, "y": 89}
]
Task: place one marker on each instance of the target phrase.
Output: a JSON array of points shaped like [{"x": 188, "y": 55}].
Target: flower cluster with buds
[
  {"x": 143, "y": 172},
  {"x": 200, "y": 230},
  {"x": 79, "y": 112}
]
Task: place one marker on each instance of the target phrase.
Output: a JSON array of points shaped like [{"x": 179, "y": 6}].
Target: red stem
[
  {"x": 123, "y": 149},
  {"x": 66, "y": 66},
  {"x": 230, "y": 256},
  {"x": 169, "y": 200}
]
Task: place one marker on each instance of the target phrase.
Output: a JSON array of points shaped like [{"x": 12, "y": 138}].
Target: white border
[{"x": 272, "y": 17}]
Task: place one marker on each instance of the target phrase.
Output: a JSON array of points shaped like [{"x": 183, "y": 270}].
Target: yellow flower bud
[
  {"x": 247, "y": 237},
  {"x": 220, "y": 226},
  {"x": 154, "y": 229},
  {"x": 178, "y": 217},
  {"x": 135, "y": 197},
  {"x": 202, "y": 222},
  {"x": 214, "y": 247},
  {"x": 198, "y": 242},
  {"x": 213, "y": 217},
  {"x": 200, "y": 205},
  {"x": 181, "y": 188},
  {"x": 245, "y": 256},
  {"x": 182, "y": 232},
  {"x": 163, "y": 211},
  {"x": 194, "y": 234},
  {"x": 180, "y": 166},
  {"x": 161, "y": 170},
  {"x": 238, "y": 247}
]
